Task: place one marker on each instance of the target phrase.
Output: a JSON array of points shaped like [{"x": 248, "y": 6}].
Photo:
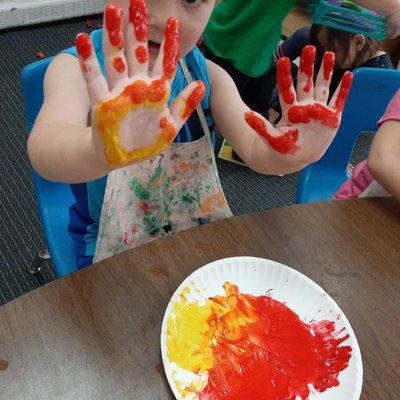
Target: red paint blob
[
  {"x": 194, "y": 99},
  {"x": 137, "y": 91},
  {"x": 171, "y": 47},
  {"x": 344, "y": 90},
  {"x": 307, "y": 60},
  {"x": 308, "y": 86},
  {"x": 276, "y": 358},
  {"x": 138, "y": 17},
  {"x": 329, "y": 63},
  {"x": 285, "y": 144},
  {"x": 315, "y": 112},
  {"x": 142, "y": 54},
  {"x": 284, "y": 78},
  {"x": 84, "y": 45},
  {"x": 119, "y": 64},
  {"x": 158, "y": 90},
  {"x": 113, "y": 20}
]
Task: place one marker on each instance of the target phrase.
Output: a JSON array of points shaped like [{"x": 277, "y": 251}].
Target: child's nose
[{"x": 159, "y": 11}]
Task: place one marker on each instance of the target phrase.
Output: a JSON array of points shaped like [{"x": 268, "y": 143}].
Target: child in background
[
  {"x": 379, "y": 175},
  {"x": 140, "y": 163},
  {"x": 351, "y": 50}
]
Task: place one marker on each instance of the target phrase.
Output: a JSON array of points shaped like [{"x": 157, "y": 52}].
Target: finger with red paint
[
  {"x": 305, "y": 76},
  {"x": 338, "y": 100},
  {"x": 187, "y": 102},
  {"x": 167, "y": 59},
  {"x": 321, "y": 90},
  {"x": 95, "y": 81},
  {"x": 137, "y": 52},
  {"x": 113, "y": 46},
  {"x": 287, "y": 94}
]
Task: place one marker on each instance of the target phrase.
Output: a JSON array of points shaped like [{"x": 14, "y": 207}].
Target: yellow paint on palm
[{"x": 111, "y": 113}]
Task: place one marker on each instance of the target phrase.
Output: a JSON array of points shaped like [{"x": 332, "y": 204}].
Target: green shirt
[{"x": 247, "y": 32}]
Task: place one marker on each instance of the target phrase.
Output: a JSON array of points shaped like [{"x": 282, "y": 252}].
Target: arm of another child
[
  {"x": 384, "y": 157},
  {"x": 308, "y": 124},
  {"x": 60, "y": 144}
]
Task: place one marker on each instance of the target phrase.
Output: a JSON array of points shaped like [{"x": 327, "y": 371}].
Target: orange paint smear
[
  {"x": 171, "y": 47},
  {"x": 142, "y": 54},
  {"x": 194, "y": 99},
  {"x": 111, "y": 113},
  {"x": 138, "y": 17},
  {"x": 119, "y": 64},
  {"x": 113, "y": 22}
]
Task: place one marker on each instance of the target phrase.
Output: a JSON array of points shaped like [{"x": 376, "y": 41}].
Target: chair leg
[{"x": 40, "y": 258}]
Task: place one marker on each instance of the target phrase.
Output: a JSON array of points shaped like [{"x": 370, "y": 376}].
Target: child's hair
[{"x": 342, "y": 38}]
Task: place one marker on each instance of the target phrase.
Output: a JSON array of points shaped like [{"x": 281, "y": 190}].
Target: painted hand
[
  {"x": 130, "y": 116},
  {"x": 308, "y": 124}
]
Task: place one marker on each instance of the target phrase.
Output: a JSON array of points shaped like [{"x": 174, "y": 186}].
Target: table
[{"x": 95, "y": 335}]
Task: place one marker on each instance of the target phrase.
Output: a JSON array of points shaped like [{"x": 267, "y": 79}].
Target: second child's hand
[{"x": 131, "y": 120}]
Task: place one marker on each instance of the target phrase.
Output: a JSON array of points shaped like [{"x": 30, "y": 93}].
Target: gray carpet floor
[{"x": 20, "y": 231}]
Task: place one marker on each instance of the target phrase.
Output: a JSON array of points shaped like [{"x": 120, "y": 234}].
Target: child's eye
[{"x": 193, "y": 2}]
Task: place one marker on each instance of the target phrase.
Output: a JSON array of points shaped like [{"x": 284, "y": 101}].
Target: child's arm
[
  {"x": 384, "y": 157},
  {"x": 60, "y": 145},
  {"x": 308, "y": 125},
  {"x": 389, "y": 8}
]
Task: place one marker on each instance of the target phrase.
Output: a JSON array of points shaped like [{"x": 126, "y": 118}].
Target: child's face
[
  {"x": 343, "y": 59},
  {"x": 193, "y": 16}
]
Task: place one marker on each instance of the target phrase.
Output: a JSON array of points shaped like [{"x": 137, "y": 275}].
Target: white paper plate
[{"x": 256, "y": 276}]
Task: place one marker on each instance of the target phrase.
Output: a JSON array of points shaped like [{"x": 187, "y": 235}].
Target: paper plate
[{"x": 258, "y": 276}]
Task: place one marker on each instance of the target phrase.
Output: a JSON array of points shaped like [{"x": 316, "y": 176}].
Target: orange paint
[
  {"x": 142, "y": 54},
  {"x": 119, "y": 64},
  {"x": 84, "y": 46},
  {"x": 284, "y": 78},
  {"x": 137, "y": 91},
  {"x": 171, "y": 47},
  {"x": 158, "y": 91},
  {"x": 113, "y": 22},
  {"x": 138, "y": 17},
  {"x": 194, "y": 99},
  {"x": 285, "y": 143},
  {"x": 168, "y": 129}
]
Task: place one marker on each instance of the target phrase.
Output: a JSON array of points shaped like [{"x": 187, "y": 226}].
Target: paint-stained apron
[{"x": 175, "y": 191}]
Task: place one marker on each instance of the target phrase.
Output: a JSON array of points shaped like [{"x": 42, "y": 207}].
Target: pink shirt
[{"x": 362, "y": 178}]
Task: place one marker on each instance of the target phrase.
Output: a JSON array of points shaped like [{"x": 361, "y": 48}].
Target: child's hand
[
  {"x": 129, "y": 112},
  {"x": 308, "y": 124}
]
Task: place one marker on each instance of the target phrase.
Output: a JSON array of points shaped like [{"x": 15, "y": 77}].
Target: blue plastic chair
[
  {"x": 53, "y": 199},
  {"x": 371, "y": 92}
]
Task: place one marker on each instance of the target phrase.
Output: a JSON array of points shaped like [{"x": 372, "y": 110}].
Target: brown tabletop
[{"x": 96, "y": 334}]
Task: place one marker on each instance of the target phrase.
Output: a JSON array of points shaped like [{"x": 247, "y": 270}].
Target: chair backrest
[
  {"x": 369, "y": 96},
  {"x": 53, "y": 199}
]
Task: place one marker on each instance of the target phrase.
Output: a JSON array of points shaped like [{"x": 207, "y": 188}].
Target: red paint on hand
[
  {"x": 158, "y": 90},
  {"x": 329, "y": 63},
  {"x": 84, "y": 46},
  {"x": 314, "y": 112},
  {"x": 307, "y": 61},
  {"x": 285, "y": 144},
  {"x": 113, "y": 20},
  {"x": 284, "y": 78},
  {"x": 278, "y": 356},
  {"x": 137, "y": 91},
  {"x": 138, "y": 17},
  {"x": 142, "y": 54},
  {"x": 194, "y": 99},
  {"x": 119, "y": 64},
  {"x": 344, "y": 91},
  {"x": 171, "y": 47},
  {"x": 308, "y": 86}
]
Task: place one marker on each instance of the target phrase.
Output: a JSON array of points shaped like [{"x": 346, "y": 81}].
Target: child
[
  {"x": 379, "y": 175},
  {"x": 140, "y": 163},
  {"x": 351, "y": 50}
]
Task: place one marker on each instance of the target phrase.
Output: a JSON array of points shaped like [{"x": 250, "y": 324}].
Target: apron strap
[{"x": 199, "y": 109}]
